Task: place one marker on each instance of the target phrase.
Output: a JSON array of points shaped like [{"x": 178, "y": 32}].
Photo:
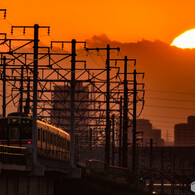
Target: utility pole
[
  {"x": 134, "y": 129},
  {"x": 125, "y": 112},
  {"x": 134, "y": 122},
  {"x": 113, "y": 140},
  {"x": 120, "y": 132},
  {"x": 107, "y": 129},
  {"x": 72, "y": 106},
  {"x": 35, "y": 76},
  {"x": 107, "y": 147},
  {"x": 125, "y": 117},
  {"x": 4, "y": 86},
  {"x": 21, "y": 89},
  {"x": 36, "y": 28},
  {"x": 73, "y": 62}
]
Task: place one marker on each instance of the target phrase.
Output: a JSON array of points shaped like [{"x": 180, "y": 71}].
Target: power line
[
  {"x": 167, "y": 99},
  {"x": 161, "y": 116},
  {"x": 172, "y": 92},
  {"x": 164, "y": 121},
  {"x": 170, "y": 107}
]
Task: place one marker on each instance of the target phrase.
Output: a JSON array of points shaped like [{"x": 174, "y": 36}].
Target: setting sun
[{"x": 185, "y": 40}]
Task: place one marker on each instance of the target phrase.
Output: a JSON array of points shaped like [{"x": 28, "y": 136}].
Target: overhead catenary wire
[
  {"x": 169, "y": 107},
  {"x": 170, "y": 92}
]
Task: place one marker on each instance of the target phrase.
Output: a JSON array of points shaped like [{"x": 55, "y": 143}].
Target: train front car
[
  {"x": 16, "y": 130},
  {"x": 52, "y": 142}
]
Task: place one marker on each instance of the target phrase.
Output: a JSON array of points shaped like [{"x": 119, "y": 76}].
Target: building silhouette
[
  {"x": 61, "y": 110},
  {"x": 184, "y": 133},
  {"x": 146, "y": 132}
]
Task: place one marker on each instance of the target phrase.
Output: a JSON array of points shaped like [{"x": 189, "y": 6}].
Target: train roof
[
  {"x": 22, "y": 114},
  {"x": 50, "y": 125},
  {"x": 19, "y": 114}
]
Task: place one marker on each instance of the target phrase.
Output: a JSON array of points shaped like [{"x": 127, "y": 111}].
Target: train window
[
  {"x": 60, "y": 142},
  {"x": 51, "y": 138},
  {"x": 54, "y": 139},
  {"x": 57, "y": 140},
  {"x": 14, "y": 131},
  {"x": 65, "y": 144},
  {"x": 3, "y": 129},
  {"x": 26, "y": 129},
  {"x": 39, "y": 134},
  {"x": 43, "y": 136}
]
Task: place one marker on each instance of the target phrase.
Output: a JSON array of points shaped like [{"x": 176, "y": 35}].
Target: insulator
[
  {"x": 12, "y": 30},
  {"x": 5, "y": 14},
  {"x": 51, "y": 45},
  {"x": 24, "y": 31},
  {"x": 62, "y": 45},
  {"x": 48, "y": 32}
]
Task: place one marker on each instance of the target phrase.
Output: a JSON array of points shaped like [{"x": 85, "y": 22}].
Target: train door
[{"x": 26, "y": 132}]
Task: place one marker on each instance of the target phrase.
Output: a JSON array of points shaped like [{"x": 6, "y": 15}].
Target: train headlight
[{"x": 14, "y": 120}]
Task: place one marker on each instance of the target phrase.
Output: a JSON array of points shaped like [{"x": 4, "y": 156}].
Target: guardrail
[{"x": 99, "y": 166}]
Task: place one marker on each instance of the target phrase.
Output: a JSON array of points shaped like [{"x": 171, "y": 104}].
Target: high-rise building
[
  {"x": 184, "y": 133},
  {"x": 146, "y": 133},
  {"x": 61, "y": 110}
]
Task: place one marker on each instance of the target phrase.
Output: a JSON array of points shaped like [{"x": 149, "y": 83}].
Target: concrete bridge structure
[{"x": 18, "y": 175}]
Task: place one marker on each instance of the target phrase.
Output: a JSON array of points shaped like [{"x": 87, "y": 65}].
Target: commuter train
[{"x": 52, "y": 142}]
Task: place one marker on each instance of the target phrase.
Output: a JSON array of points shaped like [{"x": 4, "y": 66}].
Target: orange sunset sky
[
  {"x": 142, "y": 29},
  {"x": 124, "y": 20}
]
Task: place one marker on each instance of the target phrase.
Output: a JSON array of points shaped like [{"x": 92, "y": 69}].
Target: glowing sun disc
[{"x": 185, "y": 40}]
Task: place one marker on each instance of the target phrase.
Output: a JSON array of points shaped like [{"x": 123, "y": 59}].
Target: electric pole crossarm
[
  {"x": 62, "y": 42},
  {"x": 24, "y": 28}
]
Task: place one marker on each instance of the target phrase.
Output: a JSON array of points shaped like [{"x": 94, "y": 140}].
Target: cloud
[
  {"x": 167, "y": 69},
  {"x": 168, "y": 66}
]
